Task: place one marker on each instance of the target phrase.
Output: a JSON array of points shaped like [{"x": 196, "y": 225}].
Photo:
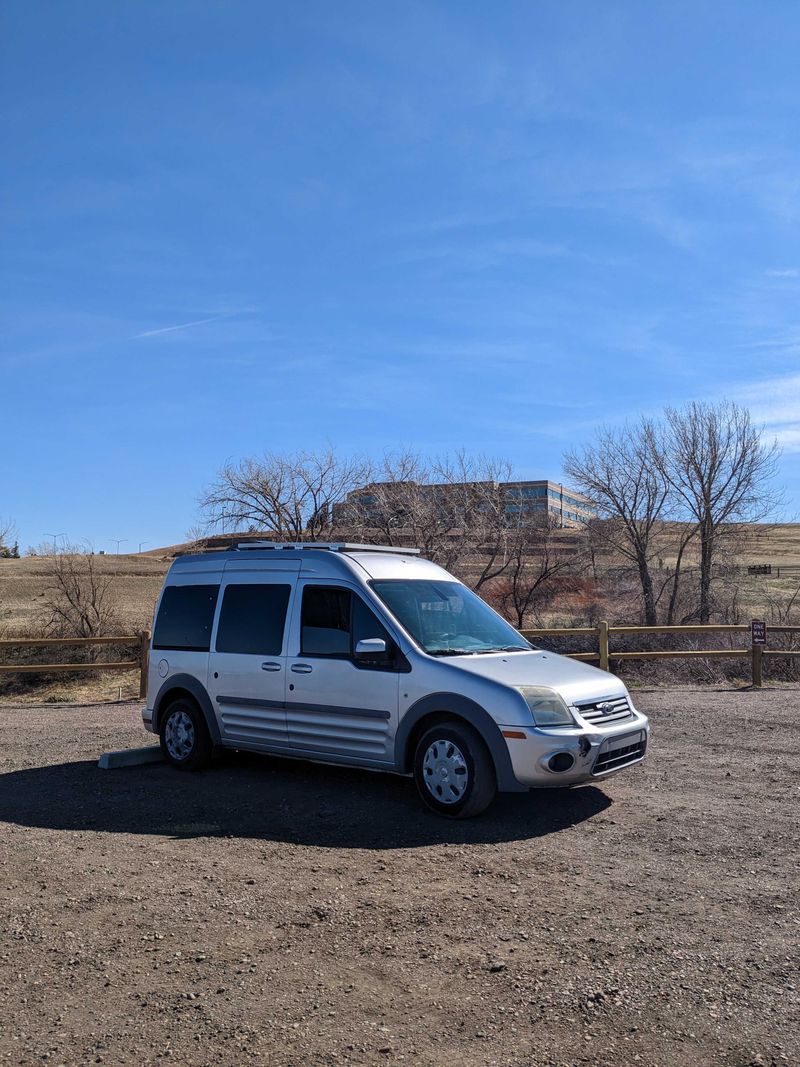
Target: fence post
[
  {"x": 758, "y": 653},
  {"x": 602, "y": 641},
  {"x": 144, "y": 661}
]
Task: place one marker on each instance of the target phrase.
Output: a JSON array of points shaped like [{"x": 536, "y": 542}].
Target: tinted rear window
[
  {"x": 185, "y": 617},
  {"x": 252, "y": 619}
]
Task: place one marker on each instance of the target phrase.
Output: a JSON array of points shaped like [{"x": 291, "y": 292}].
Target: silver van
[{"x": 373, "y": 657}]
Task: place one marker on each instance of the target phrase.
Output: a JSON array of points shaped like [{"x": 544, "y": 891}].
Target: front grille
[
  {"x": 616, "y": 758},
  {"x": 607, "y": 712}
]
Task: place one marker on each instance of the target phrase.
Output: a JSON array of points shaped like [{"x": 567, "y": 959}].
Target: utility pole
[
  {"x": 118, "y": 541},
  {"x": 54, "y": 536}
]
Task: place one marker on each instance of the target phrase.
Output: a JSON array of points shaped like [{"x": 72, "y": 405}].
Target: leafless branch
[
  {"x": 291, "y": 496},
  {"x": 79, "y": 600},
  {"x": 720, "y": 470}
]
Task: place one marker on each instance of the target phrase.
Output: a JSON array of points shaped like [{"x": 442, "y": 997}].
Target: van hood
[{"x": 573, "y": 680}]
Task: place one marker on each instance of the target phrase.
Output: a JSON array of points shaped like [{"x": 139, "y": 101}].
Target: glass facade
[{"x": 520, "y": 497}]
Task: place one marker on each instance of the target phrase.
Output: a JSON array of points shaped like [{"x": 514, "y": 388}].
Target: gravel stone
[{"x": 270, "y": 911}]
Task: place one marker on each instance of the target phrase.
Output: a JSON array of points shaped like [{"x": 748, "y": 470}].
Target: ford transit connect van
[{"x": 374, "y": 657}]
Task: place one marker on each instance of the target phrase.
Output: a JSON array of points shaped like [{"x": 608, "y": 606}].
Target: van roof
[
  {"x": 336, "y": 559},
  {"x": 327, "y": 546}
]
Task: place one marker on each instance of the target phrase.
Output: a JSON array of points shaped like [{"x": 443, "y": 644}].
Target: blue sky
[{"x": 237, "y": 226}]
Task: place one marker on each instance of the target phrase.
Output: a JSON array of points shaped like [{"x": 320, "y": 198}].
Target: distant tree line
[
  {"x": 671, "y": 495},
  {"x": 705, "y": 466},
  {"x": 676, "y": 483}
]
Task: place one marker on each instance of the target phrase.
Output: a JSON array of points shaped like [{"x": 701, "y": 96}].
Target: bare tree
[
  {"x": 79, "y": 599},
  {"x": 393, "y": 506},
  {"x": 622, "y": 475},
  {"x": 536, "y": 560},
  {"x": 484, "y": 522},
  {"x": 720, "y": 469},
  {"x": 671, "y": 580},
  {"x": 454, "y": 508},
  {"x": 196, "y": 537},
  {"x": 8, "y": 544},
  {"x": 291, "y": 495}
]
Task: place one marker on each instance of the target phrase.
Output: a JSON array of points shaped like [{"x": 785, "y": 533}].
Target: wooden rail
[
  {"x": 42, "y": 642},
  {"x": 603, "y": 632},
  {"x": 141, "y": 641}
]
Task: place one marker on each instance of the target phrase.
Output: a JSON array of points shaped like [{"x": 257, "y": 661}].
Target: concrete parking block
[{"x": 130, "y": 757}]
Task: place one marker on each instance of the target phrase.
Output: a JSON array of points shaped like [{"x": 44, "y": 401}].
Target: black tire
[
  {"x": 454, "y": 770},
  {"x": 185, "y": 740}
]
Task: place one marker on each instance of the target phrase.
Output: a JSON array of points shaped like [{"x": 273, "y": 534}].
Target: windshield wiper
[
  {"x": 508, "y": 648},
  {"x": 453, "y": 651}
]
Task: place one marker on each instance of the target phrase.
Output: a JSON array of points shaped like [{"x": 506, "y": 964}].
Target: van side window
[
  {"x": 185, "y": 617},
  {"x": 325, "y": 621},
  {"x": 333, "y": 621},
  {"x": 252, "y": 619},
  {"x": 366, "y": 624}
]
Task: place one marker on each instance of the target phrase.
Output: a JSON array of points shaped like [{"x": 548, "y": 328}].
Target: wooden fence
[
  {"x": 605, "y": 654},
  {"x": 140, "y": 641}
]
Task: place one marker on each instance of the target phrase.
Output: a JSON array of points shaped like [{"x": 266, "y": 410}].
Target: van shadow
[{"x": 274, "y": 800}]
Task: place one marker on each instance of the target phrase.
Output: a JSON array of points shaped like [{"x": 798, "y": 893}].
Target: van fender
[
  {"x": 191, "y": 685},
  {"x": 463, "y": 708}
]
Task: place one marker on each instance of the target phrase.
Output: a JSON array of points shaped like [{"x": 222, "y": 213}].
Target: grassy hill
[
  {"x": 24, "y": 582},
  {"x": 137, "y": 579}
]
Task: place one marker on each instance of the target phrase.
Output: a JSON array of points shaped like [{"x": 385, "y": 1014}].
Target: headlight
[{"x": 547, "y": 707}]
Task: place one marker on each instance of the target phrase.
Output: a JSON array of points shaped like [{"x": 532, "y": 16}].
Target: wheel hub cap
[
  {"x": 445, "y": 772},
  {"x": 179, "y": 735}
]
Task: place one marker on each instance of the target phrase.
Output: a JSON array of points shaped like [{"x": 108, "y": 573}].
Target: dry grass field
[
  {"x": 24, "y": 582},
  {"x": 137, "y": 578},
  {"x": 23, "y": 592},
  {"x": 136, "y": 581}
]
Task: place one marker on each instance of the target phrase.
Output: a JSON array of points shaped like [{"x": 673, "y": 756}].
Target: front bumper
[{"x": 596, "y": 754}]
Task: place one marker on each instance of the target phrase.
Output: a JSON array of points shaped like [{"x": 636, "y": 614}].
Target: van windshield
[{"x": 447, "y": 619}]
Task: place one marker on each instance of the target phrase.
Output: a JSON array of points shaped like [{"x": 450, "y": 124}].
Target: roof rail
[{"x": 328, "y": 546}]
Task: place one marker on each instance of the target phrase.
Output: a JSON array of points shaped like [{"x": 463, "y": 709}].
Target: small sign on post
[{"x": 758, "y": 633}]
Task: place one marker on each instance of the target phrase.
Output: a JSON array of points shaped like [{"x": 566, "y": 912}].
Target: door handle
[
  {"x": 270, "y": 666},
  {"x": 302, "y": 668}
]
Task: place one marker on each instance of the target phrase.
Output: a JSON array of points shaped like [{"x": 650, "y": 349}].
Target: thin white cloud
[
  {"x": 776, "y": 403},
  {"x": 789, "y": 272},
  {"x": 179, "y": 326},
  {"x": 788, "y": 439}
]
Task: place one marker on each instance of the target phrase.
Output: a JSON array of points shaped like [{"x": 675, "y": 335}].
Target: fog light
[{"x": 562, "y": 761}]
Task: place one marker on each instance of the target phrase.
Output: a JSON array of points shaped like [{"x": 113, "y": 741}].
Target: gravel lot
[{"x": 274, "y": 911}]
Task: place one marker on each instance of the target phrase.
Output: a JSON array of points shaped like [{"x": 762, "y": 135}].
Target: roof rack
[{"x": 328, "y": 546}]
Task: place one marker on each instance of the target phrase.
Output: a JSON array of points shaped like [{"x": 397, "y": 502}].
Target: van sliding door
[{"x": 247, "y": 665}]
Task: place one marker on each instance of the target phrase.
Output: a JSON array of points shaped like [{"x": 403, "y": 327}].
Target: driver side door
[{"x": 338, "y": 704}]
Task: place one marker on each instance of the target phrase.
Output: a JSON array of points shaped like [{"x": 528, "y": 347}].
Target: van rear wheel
[
  {"x": 185, "y": 740},
  {"x": 454, "y": 771}
]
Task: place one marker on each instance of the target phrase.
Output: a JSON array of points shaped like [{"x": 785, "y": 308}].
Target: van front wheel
[
  {"x": 185, "y": 740},
  {"x": 454, "y": 771}
]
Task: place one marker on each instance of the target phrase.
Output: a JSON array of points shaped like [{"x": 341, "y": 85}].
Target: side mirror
[{"x": 371, "y": 648}]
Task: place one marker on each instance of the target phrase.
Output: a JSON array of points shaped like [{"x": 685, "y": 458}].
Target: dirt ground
[{"x": 277, "y": 912}]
